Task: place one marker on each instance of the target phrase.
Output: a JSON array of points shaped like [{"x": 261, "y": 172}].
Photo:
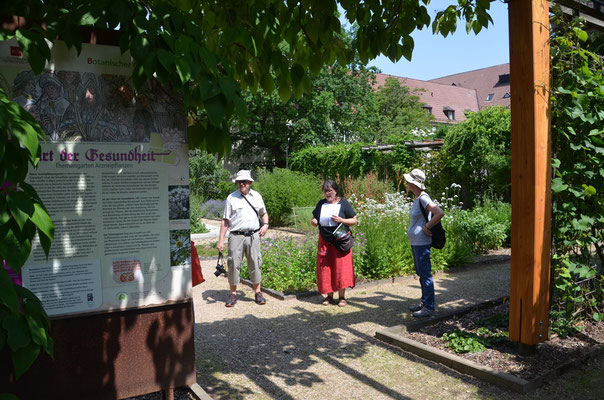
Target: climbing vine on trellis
[{"x": 578, "y": 161}]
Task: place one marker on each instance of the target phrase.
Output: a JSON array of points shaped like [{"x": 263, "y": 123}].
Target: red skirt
[{"x": 334, "y": 268}]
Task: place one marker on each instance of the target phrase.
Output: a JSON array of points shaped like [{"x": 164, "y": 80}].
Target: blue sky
[{"x": 435, "y": 56}]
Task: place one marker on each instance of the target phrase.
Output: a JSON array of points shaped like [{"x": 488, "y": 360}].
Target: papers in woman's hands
[{"x": 327, "y": 211}]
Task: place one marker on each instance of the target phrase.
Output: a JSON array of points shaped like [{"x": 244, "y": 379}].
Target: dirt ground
[
  {"x": 503, "y": 355},
  {"x": 299, "y": 349}
]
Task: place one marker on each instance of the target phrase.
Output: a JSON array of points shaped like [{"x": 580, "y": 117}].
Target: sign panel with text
[{"x": 113, "y": 176}]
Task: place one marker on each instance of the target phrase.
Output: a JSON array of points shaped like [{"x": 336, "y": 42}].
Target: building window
[
  {"x": 504, "y": 79},
  {"x": 507, "y": 95},
  {"x": 428, "y": 109},
  {"x": 450, "y": 114},
  {"x": 490, "y": 96}
]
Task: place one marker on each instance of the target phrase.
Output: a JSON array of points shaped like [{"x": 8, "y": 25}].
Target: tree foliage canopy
[
  {"x": 477, "y": 155},
  {"x": 214, "y": 50},
  {"x": 339, "y": 108},
  {"x": 400, "y": 113}
]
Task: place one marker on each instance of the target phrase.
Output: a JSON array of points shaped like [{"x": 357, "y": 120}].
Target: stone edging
[{"x": 394, "y": 336}]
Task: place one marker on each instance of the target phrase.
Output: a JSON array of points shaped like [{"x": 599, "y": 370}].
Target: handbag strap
[{"x": 248, "y": 202}]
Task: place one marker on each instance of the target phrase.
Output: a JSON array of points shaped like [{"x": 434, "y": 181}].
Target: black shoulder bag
[
  {"x": 438, "y": 232},
  {"x": 253, "y": 208}
]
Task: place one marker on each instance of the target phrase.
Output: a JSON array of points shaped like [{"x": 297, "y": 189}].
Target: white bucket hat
[
  {"x": 416, "y": 177},
  {"x": 243, "y": 175}
]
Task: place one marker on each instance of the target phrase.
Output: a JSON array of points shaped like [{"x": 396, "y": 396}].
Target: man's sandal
[
  {"x": 328, "y": 300},
  {"x": 342, "y": 302}
]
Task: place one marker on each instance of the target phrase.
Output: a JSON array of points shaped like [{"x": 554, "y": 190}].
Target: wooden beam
[{"x": 531, "y": 171}]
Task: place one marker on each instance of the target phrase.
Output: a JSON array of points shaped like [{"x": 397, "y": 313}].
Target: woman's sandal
[
  {"x": 328, "y": 300},
  {"x": 342, "y": 302}
]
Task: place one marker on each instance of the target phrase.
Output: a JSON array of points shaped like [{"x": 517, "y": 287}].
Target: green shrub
[
  {"x": 500, "y": 213},
  {"x": 478, "y": 230},
  {"x": 300, "y": 219},
  {"x": 207, "y": 177},
  {"x": 196, "y": 214},
  {"x": 283, "y": 189},
  {"x": 351, "y": 161},
  {"x": 288, "y": 266}
]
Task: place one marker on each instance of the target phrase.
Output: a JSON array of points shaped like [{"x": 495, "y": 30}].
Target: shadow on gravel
[{"x": 280, "y": 352}]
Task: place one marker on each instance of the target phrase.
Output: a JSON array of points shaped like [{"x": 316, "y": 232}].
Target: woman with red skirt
[{"x": 335, "y": 271}]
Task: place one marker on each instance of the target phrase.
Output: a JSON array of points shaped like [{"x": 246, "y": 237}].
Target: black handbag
[
  {"x": 345, "y": 243},
  {"x": 343, "y": 238},
  {"x": 438, "y": 232}
]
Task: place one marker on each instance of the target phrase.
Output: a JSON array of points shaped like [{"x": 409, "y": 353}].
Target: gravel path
[{"x": 299, "y": 349}]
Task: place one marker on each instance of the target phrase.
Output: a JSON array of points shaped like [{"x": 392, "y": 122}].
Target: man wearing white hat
[{"x": 246, "y": 219}]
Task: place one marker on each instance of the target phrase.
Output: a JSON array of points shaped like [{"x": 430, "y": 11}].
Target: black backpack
[{"x": 438, "y": 232}]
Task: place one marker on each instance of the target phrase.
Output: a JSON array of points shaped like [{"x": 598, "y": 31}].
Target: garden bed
[{"x": 502, "y": 363}]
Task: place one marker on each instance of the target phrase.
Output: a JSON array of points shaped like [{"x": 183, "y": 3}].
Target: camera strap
[{"x": 220, "y": 257}]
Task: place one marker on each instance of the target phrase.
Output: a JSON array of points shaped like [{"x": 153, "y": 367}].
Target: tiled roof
[
  {"x": 486, "y": 81},
  {"x": 438, "y": 96}
]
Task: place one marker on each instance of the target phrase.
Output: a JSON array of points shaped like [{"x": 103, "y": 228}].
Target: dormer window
[
  {"x": 490, "y": 96},
  {"x": 507, "y": 95},
  {"x": 504, "y": 79},
  {"x": 428, "y": 109},
  {"x": 450, "y": 113}
]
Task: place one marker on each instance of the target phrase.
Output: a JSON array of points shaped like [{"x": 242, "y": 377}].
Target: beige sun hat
[
  {"x": 243, "y": 175},
  {"x": 416, "y": 177}
]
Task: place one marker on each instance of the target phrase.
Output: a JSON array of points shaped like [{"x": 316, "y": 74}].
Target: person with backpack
[{"x": 420, "y": 239}]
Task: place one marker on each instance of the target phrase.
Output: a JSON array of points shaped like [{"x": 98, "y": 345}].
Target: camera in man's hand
[
  {"x": 219, "y": 267},
  {"x": 220, "y": 270}
]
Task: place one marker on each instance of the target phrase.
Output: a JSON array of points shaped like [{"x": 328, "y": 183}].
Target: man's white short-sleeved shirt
[{"x": 239, "y": 213}]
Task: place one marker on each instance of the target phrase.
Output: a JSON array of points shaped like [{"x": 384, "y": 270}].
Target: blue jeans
[{"x": 423, "y": 267}]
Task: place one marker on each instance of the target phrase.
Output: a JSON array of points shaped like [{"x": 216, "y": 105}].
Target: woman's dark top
[{"x": 346, "y": 211}]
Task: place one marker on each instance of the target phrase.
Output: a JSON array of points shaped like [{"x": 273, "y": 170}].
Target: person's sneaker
[
  {"x": 416, "y": 307},
  {"x": 232, "y": 300},
  {"x": 260, "y": 299},
  {"x": 424, "y": 312}
]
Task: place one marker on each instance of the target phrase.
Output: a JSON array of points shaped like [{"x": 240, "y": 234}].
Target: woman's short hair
[{"x": 331, "y": 184}]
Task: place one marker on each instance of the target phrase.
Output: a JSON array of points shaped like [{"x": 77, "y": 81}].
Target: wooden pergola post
[{"x": 531, "y": 171}]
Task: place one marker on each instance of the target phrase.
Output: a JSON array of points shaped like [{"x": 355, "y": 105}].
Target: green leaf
[
  {"x": 14, "y": 251},
  {"x": 26, "y": 130},
  {"x": 42, "y": 220},
  {"x": 558, "y": 185},
  {"x": 35, "y": 47},
  {"x": 24, "y": 358},
  {"x": 581, "y": 34},
  {"x": 8, "y": 396},
  {"x": 21, "y": 207},
  {"x": 38, "y": 333},
  {"x": 17, "y": 330},
  {"x": 297, "y": 74},
  {"x": 183, "y": 69},
  {"x": 267, "y": 82},
  {"x": 589, "y": 190},
  {"x": 7, "y": 292},
  {"x": 166, "y": 59},
  {"x": 216, "y": 108},
  {"x": 598, "y": 317}
]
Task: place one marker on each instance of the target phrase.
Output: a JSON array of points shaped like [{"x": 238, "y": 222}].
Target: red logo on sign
[{"x": 15, "y": 51}]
